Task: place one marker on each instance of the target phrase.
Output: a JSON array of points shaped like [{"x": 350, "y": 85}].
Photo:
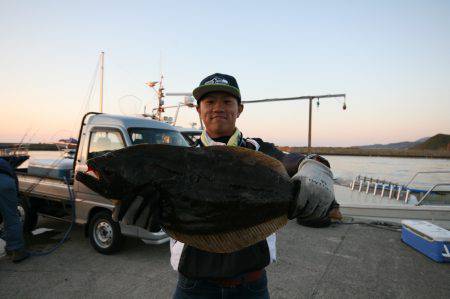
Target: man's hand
[
  {"x": 142, "y": 210},
  {"x": 314, "y": 203},
  {"x": 335, "y": 214}
]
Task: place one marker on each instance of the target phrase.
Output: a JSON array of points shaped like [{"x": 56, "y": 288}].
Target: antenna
[
  {"x": 159, "y": 95},
  {"x": 102, "y": 61},
  {"x": 160, "y": 92}
]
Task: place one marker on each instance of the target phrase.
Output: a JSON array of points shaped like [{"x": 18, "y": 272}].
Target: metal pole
[
  {"x": 176, "y": 113},
  {"x": 102, "y": 55},
  {"x": 309, "y": 127},
  {"x": 310, "y": 98},
  {"x": 296, "y": 98}
]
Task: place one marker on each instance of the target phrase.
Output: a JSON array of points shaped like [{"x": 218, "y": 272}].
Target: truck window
[
  {"x": 156, "y": 136},
  {"x": 104, "y": 140}
]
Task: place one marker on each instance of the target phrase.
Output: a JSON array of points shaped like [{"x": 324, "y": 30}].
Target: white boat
[
  {"x": 69, "y": 143},
  {"x": 373, "y": 200}
]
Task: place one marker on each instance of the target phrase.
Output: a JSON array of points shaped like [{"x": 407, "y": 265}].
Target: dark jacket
[
  {"x": 196, "y": 263},
  {"x": 6, "y": 168}
]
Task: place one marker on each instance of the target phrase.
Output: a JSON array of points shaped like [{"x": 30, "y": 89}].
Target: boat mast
[
  {"x": 102, "y": 56},
  {"x": 160, "y": 99}
]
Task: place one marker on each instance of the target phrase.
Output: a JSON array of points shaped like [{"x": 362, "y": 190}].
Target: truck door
[{"x": 100, "y": 141}]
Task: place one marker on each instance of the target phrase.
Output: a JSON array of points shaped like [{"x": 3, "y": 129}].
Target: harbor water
[
  {"x": 393, "y": 169},
  {"x": 345, "y": 168}
]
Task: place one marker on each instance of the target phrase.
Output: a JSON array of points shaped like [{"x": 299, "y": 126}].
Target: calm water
[{"x": 398, "y": 170}]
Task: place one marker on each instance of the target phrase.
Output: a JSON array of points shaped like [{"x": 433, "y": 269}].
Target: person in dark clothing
[
  {"x": 239, "y": 274},
  {"x": 9, "y": 199}
]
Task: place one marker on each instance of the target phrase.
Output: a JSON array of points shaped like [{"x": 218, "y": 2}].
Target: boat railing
[
  {"x": 425, "y": 172},
  {"x": 394, "y": 190},
  {"x": 431, "y": 190}
]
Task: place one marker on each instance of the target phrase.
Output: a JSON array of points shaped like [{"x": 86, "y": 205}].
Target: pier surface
[{"x": 336, "y": 262}]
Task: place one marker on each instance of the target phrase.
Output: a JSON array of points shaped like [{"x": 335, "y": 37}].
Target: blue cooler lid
[{"x": 430, "y": 230}]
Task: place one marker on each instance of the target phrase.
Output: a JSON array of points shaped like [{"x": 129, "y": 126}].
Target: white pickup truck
[{"x": 98, "y": 133}]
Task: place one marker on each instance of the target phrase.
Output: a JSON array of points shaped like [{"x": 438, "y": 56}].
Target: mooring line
[{"x": 316, "y": 287}]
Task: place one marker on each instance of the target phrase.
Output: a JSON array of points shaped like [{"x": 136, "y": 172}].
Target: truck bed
[{"x": 48, "y": 188}]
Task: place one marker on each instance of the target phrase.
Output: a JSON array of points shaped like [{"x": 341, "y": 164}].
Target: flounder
[{"x": 215, "y": 198}]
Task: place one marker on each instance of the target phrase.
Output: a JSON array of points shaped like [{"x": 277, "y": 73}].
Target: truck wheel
[
  {"x": 28, "y": 216},
  {"x": 104, "y": 233}
]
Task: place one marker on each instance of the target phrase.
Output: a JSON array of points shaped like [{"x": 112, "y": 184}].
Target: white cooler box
[
  {"x": 429, "y": 239},
  {"x": 50, "y": 168}
]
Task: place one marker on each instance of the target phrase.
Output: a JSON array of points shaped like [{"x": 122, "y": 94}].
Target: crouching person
[{"x": 13, "y": 234}]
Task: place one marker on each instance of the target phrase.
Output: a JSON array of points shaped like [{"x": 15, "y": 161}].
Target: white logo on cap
[{"x": 217, "y": 80}]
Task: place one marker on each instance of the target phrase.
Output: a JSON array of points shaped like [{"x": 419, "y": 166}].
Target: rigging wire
[
  {"x": 127, "y": 73},
  {"x": 88, "y": 95},
  {"x": 22, "y": 140},
  {"x": 122, "y": 104},
  {"x": 133, "y": 79}
]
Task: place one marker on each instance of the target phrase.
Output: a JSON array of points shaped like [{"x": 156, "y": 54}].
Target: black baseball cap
[{"x": 217, "y": 82}]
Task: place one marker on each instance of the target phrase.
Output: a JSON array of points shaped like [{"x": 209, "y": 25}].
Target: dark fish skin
[{"x": 197, "y": 190}]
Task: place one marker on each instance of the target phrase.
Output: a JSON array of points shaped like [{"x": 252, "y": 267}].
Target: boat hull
[{"x": 359, "y": 205}]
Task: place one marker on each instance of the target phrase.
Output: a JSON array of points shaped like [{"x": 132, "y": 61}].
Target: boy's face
[{"x": 219, "y": 111}]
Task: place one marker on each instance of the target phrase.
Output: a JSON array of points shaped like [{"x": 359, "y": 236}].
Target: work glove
[
  {"x": 142, "y": 210},
  {"x": 314, "y": 198}
]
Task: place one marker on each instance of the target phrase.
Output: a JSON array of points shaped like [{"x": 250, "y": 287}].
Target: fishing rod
[{"x": 21, "y": 141}]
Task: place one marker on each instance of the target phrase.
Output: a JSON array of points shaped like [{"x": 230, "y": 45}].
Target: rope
[
  {"x": 315, "y": 289},
  {"x": 376, "y": 224},
  {"x": 69, "y": 230}
]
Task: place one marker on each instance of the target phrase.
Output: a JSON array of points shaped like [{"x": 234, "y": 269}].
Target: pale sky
[{"x": 391, "y": 58}]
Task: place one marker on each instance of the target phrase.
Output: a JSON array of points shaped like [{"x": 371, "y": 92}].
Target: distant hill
[
  {"x": 437, "y": 146},
  {"x": 437, "y": 142},
  {"x": 396, "y": 145}
]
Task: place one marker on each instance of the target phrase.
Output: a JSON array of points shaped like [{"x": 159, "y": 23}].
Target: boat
[
  {"x": 380, "y": 200},
  {"x": 15, "y": 156},
  {"x": 69, "y": 143}
]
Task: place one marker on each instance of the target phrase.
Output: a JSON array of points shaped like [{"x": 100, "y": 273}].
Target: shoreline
[
  {"x": 351, "y": 151},
  {"x": 31, "y": 146}
]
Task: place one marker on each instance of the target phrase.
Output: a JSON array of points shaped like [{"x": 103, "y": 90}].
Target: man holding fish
[
  {"x": 241, "y": 274},
  {"x": 221, "y": 202}
]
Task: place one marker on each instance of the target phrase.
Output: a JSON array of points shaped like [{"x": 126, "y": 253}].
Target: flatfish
[{"x": 216, "y": 198}]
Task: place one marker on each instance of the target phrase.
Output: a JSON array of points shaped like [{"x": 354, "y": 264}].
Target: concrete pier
[{"x": 336, "y": 262}]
